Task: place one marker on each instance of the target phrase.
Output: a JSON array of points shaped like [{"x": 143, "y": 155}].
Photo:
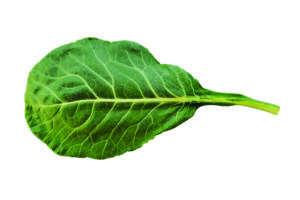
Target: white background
[{"x": 249, "y": 47}]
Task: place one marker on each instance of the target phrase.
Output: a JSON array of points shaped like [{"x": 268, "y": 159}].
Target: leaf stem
[{"x": 229, "y": 99}]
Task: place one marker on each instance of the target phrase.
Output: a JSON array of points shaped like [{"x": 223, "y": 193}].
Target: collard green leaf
[{"x": 98, "y": 99}]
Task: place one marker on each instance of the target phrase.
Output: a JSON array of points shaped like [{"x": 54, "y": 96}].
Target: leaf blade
[{"x": 132, "y": 83}]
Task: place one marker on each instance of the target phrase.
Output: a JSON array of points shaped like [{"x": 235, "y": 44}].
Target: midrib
[{"x": 142, "y": 100}]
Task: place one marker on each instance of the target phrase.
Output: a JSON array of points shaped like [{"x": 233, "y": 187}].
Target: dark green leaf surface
[{"x": 98, "y": 99}]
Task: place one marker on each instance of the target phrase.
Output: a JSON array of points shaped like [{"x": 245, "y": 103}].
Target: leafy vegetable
[{"x": 98, "y": 99}]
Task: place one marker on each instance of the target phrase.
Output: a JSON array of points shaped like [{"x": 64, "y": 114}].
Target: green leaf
[{"x": 98, "y": 99}]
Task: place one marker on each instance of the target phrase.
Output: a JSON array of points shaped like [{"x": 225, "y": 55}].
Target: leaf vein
[{"x": 143, "y": 74}]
